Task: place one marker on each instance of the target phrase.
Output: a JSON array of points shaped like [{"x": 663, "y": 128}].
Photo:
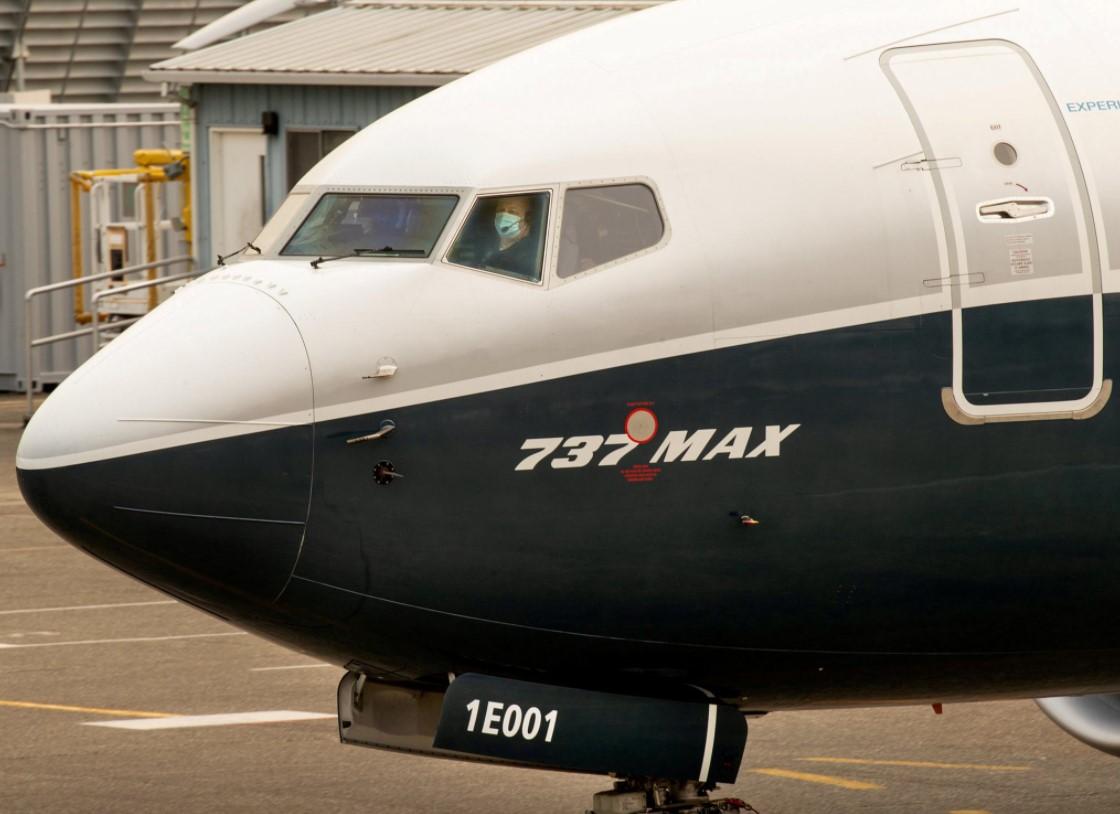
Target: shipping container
[{"x": 40, "y": 145}]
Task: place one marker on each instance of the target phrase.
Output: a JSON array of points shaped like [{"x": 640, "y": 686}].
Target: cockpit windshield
[{"x": 373, "y": 224}]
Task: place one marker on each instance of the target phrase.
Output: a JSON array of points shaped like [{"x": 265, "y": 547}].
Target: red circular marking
[{"x": 643, "y": 411}]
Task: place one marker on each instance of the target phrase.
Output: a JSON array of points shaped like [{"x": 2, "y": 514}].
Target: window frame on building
[{"x": 292, "y": 179}]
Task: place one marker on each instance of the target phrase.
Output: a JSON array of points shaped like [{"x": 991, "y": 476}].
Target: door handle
[
  {"x": 1015, "y": 209},
  {"x": 387, "y": 426}
]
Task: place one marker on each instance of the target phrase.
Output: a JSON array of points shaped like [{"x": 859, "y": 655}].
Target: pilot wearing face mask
[{"x": 514, "y": 253}]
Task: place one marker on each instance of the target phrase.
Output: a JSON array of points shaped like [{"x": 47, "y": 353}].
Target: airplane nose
[{"x": 181, "y": 452}]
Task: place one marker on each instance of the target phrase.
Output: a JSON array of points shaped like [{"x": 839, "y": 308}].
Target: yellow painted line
[
  {"x": 916, "y": 764},
  {"x": 824, "y": 779},
  {"x": 124, "y": 713}
]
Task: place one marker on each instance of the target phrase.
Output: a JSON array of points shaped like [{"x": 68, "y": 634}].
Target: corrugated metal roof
[
  {"x": 424, "y": 42},
  {"x": 93, "y": 51}
]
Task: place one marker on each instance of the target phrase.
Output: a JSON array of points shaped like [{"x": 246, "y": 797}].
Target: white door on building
[{"x": 237, "y": 173}]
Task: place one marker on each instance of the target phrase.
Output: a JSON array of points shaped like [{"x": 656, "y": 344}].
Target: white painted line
[
  {"x": 222, "y": 421},
  {"x": 709, "y": 743},
  {"x": 89, "y": 607},
  {"x": 222, "y": 719},
  {"x": 25, "y": 634},
  {"x": 126, "y": 641},
  {"x": 4, "y": 646},
  {"x": 288, "y": 667}
]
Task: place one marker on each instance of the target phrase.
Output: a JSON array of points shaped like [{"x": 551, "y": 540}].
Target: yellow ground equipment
[{"x": 127, "y": 226}]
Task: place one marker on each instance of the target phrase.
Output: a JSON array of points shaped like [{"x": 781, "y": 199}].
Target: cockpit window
[
  {"x": 389, "y": 225},
  {"x": 606, "y": 223},
  {"x": 279, "y": 222},
  {"x": 504, "y": 234}
]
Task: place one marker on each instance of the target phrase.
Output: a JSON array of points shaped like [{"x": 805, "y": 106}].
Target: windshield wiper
[
  {"x": 222, "y": 258},
  {"x": 387, "y": 251}
]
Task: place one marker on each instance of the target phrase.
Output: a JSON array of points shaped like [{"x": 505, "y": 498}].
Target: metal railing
[
  {"x": 125, "y": 289},
  {"x": 95, "y": 331}
]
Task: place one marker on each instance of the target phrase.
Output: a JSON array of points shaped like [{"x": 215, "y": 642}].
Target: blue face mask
[{"x": 507, "y": 224}]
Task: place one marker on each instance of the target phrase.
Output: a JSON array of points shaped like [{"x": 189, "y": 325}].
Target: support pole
[
  {"x": 28, "y": 311},
  {"x": 150, "y": 231},
  {"x": 76, "y": 185}
]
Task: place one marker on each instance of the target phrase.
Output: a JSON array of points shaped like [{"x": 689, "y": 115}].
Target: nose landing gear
[{"x": 643, "y": 796}]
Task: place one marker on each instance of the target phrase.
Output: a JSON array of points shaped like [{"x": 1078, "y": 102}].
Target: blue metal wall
[{"x": 298, "y": 107}]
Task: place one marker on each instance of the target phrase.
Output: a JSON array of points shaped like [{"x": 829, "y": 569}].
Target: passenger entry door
[{"x": 1020, "y": 255}]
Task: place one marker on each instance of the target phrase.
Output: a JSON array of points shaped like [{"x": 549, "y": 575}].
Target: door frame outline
[{"x": 951, "y": 233}]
